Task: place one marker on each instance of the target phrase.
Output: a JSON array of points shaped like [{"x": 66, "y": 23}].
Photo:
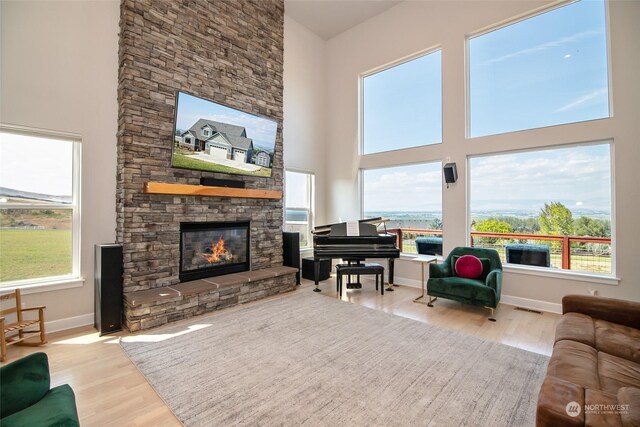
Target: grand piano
[{"x": 354, "y": 242}]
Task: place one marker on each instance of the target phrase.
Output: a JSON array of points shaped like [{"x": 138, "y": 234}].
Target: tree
[
  {"x": 435, "y": 224},
  {"x": 493, "y": 226},
  {"x": 556, "y": 219},
  {"x": 592, "y": 227}
]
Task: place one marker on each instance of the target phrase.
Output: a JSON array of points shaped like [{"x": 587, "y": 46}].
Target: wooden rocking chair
[{"x": 17, "y": 329}]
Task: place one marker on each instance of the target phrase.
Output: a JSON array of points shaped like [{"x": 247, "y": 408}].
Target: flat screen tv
[{"x": 212, "y": 137}]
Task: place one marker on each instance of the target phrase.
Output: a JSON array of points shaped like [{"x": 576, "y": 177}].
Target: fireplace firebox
[{"x": 213, "y": 248}]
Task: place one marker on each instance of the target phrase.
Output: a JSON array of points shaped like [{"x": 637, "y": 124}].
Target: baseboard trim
[
  {"x": 68, "y": 323},
  {"x": 533, "y": 304}
]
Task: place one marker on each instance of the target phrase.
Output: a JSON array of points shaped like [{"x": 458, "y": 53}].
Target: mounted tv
[{"x": 212, "y": 137}]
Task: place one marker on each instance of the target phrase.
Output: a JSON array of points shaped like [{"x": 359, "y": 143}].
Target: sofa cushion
[
  {"x": 616, "y": 372},
  {"x": 576, "y": 327},
  {"x": 576, "y": 363},
  {"x": 618, "y": 340},
  {"x": 464, "y": 290},
  {"x": 56, "y": 408},
  {"x": 593, "y": 415},
  {"x": 630, "y": 396}
]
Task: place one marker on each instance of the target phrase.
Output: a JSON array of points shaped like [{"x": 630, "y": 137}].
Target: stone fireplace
[
  {"x": 232, "y": 53},
  {"x": 209, "y": 249}
]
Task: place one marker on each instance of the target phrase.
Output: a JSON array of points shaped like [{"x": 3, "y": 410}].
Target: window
[
  {"x": 206, "y": 132},
  {"x": 39, "y": 208},
  {"x": 299, "y": 205},
  {"x": 547, "y": 208},
  {"x": 550, "y": 69},
  {"x": 410, "y": 196},
  {"x": 402, "y": 105}
]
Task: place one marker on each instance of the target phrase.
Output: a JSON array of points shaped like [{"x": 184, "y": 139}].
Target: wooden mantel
[{"x": 204, "y": 190}]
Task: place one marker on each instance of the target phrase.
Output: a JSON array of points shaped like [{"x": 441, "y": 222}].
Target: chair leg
[
  {"x": 431, "y": 301},
  {"x": 491, "y": 318},
  {"x": 43, "y": 339},
  {"x": 3, "y": 342}
]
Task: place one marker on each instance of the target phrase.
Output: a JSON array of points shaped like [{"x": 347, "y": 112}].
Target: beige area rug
[{"x": 307, "y": 360}]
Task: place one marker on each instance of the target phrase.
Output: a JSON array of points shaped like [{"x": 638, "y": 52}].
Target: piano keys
[{"x": 338, "y": 241}]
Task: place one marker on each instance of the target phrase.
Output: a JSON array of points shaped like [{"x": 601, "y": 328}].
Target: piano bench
[{"x": 359, "y": 270}]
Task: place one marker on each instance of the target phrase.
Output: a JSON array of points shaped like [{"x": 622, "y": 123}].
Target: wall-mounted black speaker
[
  {"x": 108, "y": 288},
  {"x": 291, "y": 251},
  {"x": 450, "y": 173}
]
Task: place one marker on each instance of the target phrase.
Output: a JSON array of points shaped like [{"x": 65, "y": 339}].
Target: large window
[
  {"x": 402, "y": 105},
  {"x": 545, "y": 208},
  {"x": 299, "y": 205},
  {"x": 547, "y": 70},
  {"x": 410, "y": 196},
  {"x": 39, "y": 208}
]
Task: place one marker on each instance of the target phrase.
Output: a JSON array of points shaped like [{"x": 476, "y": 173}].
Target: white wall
[
  {"x": 59, "y": 65},
  {"x": 304, "y": 124},
  {"x": 412, "y": 27}
]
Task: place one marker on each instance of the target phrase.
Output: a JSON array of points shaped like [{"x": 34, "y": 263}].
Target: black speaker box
[
  {"x": 450, "y": 173},
  {"x": 308, "y": 268},
  {"x": 108, "y": 288},
  {"x": 291, "y": 251}
]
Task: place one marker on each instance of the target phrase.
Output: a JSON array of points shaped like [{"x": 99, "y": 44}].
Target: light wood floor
[{"x": 111, "y": 392}]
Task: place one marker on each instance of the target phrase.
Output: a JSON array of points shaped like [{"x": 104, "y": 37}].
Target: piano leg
[
  {"x": 316, "y": 274},
  {"x": 390, "y": 266}
]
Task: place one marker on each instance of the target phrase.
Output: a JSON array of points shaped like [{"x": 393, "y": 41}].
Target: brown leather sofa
[{"x": 595, "y": 364}]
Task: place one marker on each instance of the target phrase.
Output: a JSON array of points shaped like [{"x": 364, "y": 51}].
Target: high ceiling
[{"x": 328, "y": 18}]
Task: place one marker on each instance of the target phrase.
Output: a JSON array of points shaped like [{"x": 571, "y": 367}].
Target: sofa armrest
[
  {"x": 555, "y": 395},
  {"x": 622, "y": 312},
  {"x": 440, "y": 270},
  {"x": 494, "y": 280},
  {"x": 24, "y": 382}
]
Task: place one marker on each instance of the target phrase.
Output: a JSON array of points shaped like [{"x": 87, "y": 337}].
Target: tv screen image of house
[{"x": 212, "y": 137}]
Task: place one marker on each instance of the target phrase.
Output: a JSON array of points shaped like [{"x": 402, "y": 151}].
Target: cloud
[
  {"x": 541, "y": 47},
  {"x": 596, "y": 96}
]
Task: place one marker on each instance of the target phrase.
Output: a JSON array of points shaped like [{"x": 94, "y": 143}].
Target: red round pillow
[{"x": 469, "y": 267}]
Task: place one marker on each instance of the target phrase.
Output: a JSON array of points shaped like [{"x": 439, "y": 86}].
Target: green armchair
[
  {"x": 484, "y": 291},
  {"x": 27, "y": 398}
]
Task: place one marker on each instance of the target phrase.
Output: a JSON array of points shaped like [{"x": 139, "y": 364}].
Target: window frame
[
  {"x": 387, "y": 66},
  {"x": 310, "y": 187},
  {"x": 74, "y": 278},
  {"x": 603, "y": 278},
  {"x": 515, "y": 20}
]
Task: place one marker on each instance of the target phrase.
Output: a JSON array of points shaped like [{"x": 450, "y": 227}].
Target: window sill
[
  {"x": 562, "y": 274},
  {"x": 46, "y": 286}
]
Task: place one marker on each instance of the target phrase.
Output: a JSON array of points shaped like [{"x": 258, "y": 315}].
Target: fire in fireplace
[{"x": 213, "y": 248}]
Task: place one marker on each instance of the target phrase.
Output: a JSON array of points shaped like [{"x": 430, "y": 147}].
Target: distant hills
[{"x": 27, "y": 195}]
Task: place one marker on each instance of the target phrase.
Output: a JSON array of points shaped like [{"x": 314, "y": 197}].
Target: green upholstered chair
[
  {"x": 27, "y": 398},
  {"x": 484, "y": 291}
]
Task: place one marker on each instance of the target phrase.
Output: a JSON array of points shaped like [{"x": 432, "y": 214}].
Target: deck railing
[{"x": 580, "y": 253}]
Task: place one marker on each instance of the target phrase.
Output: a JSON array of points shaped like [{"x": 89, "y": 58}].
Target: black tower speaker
[
  {"x": 108, "y": 288},
  {"x": 291, "y": 251}
]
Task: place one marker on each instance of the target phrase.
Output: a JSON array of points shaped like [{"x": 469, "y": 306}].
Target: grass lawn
[
  {"x": 27, "y": 254},
  {"x": 186, "y": 162}
]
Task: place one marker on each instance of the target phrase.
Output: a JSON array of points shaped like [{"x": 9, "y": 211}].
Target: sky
[
  {"x": 47, "y": 169},
  {"x": 403, "y": 188},
  {"x": 546, "y": 70},
  {"x": 261, "y": 130}
]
